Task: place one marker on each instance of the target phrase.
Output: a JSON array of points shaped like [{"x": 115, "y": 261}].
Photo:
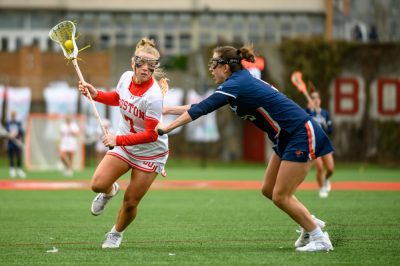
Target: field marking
[
  {"x": 178, "y": 241},
  {"x": 195, "y": 185}
]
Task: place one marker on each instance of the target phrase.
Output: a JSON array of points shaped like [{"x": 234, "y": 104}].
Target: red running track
[{"x": 195, "y": 185}]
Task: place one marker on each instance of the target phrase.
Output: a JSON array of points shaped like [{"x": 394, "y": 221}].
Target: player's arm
[
  {"x": 148, "y": 135},
  {"x": 108, "y": 98},
  {"x": 175, "y": 110},
  {"x": 206, "y": 106},
  {"x": 151, "y": 120}
]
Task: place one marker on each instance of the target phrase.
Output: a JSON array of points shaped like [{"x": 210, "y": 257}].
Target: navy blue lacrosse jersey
[{"x": 254, "y": 100}]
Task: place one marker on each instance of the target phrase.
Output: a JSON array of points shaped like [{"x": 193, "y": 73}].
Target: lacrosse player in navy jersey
[
  {"x": 323, "y": 118},
  {"x": 297, "y": 138}
]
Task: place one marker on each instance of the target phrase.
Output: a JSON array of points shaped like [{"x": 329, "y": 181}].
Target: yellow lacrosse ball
[{"x": 69, "y": 45}]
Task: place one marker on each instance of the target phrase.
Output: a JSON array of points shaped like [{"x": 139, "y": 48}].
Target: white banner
[
  {"x": 61, "y": 99},
  {"x": 92, "y": 125},
  {"x": 203, "y": 129},
  {"x": 19, "y": 100},
  {"x": 174, "y": 97},
  {"x": 115, "y": 116}
]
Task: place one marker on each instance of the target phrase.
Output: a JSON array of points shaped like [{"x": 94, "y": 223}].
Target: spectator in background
[
  {"x": 68, "y": 144},
  {"x": 15, "y": 145},
  {"x": 325, "y": 164}
]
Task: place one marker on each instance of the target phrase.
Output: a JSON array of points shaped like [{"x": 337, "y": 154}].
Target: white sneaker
[
  {"x": 113, "y": 240},
  {"x": 322, "y": 243},
  {"x": 13, "y": 173},
  {"x": 68, "y": 173},
  {"x": 304, "y": 237},
  {"x": 323, "y": 192},
  {"x": 101, "y": 200},
  {"x": 21, "y": 173},
  {"x": 327, "y": 185}
]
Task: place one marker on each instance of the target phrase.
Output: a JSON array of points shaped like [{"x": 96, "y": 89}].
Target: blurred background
[{"x": 349, "y": 49}]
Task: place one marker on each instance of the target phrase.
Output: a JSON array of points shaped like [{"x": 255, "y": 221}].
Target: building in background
[{"x": 178, "y": 26}]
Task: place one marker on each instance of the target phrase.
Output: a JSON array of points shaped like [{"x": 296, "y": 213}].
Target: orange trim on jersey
[
  {"x": 144, "y": 157},
  {"x": 272, "y": 123},
  {"x": 310, "y": 141}
]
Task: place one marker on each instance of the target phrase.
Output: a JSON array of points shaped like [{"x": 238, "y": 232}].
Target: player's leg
[
  {"x": 329, "y": 164},
  {"x": 20, "y": 172},
  {"x": 10, "y": 152},
  {"x": 270, "y": 176},
  {"x": 290, "y": 176},
  {"x": 137, "y": 188},
  {"x": 319, "y": 171},
  {"x": 320, "y": 176},
  {"x": 104, "y": 181}
]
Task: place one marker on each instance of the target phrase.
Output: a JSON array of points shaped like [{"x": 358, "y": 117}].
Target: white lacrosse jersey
[{"x": 134, "y": 109}]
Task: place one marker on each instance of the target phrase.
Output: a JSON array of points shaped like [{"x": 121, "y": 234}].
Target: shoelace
[{"x": 113, "y": 237}]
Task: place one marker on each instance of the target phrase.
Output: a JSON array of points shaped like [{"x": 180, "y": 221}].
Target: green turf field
[{"x": 202, "y": 227}]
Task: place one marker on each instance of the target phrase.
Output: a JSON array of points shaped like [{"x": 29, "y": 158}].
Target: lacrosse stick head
[
  {"x": 64, "y": 34},
  {"x": 297, "y": 80}
]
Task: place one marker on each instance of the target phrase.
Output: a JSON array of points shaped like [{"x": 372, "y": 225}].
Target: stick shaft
[{"x": 96, "y": 113}]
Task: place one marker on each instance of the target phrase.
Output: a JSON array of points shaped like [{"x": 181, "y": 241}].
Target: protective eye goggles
[
  {"x": 151, "y": 63},
  {"x": 213, "y": 63}
]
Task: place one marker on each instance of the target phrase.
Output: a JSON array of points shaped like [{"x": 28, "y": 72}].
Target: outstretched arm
[
  {"x": 175, "y": 110},
  {"x": 206, "y": 106}
]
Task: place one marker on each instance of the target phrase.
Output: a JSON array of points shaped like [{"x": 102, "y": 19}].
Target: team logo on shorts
[{"x": 299, "y": 153}]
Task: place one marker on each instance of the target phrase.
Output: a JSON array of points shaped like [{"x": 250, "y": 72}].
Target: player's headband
[
  {"x": 213, "y": 63},
  {"x": 151, "y": 63}
]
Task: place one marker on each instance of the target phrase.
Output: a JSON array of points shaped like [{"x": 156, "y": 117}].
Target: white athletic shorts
[{"x": 154, "y": 165}]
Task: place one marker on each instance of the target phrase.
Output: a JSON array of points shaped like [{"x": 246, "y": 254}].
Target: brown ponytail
[{"x": 233, "y": 56}]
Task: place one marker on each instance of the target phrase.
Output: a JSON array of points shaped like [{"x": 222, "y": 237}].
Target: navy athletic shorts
[{"x": 306, "y": 143}]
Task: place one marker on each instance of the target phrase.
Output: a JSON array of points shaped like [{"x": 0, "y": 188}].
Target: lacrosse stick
[
  {"x": 64, "y": 34},
  {"x": 4, "y": 133},
  {"x": 297, "y": 80}
]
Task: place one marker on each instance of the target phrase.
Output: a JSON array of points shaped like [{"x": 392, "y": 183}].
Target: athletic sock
[
  {"x": 112, "y": 192},
  {"x": 316, "y": 233},
  {"x": 114, "y": 231}
]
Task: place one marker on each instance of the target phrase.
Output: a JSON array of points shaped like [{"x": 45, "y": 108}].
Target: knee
[
  {"x": 98, "y": 186},
  {"x": 329, "y": 172},
  {"x": 130, "y": 204},
  {"x": 279, "y": 199},
  {"x": 267, "y": 192}
]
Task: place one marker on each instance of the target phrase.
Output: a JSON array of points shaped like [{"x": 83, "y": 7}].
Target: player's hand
[
  {"x": 85, "y": 87},
  {"x": 109, "y": 140},
  {"x": 160, "y": 129}
]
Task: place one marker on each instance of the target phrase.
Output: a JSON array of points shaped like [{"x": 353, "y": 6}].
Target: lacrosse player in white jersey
[{"x": 137, "y": 147}]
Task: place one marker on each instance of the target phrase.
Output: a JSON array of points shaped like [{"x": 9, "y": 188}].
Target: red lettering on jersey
[
  {"x": 149, "y": 164},
  {"x": 131, "y": 108}
]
